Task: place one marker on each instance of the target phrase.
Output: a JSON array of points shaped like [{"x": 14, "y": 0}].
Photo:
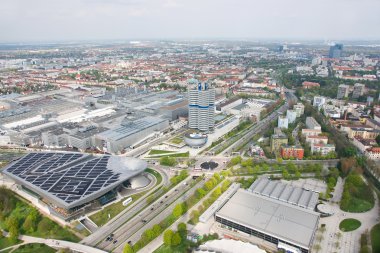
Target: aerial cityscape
[{"x": 138, "y": 126}]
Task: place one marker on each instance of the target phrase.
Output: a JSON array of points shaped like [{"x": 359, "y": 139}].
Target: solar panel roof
[{"x": 72, "y": 179}]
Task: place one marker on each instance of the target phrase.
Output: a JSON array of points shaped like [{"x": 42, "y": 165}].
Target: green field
[
  {"x": 34, "y": 248},
  {"x": 159, "y": 152},
  {"x": 348, "y": 225},
  {"x": 176, "y": 140},
  {"x": 5, "y": 242},
  {"x": 357, "y": 195},
  {"x": 375, "y": 238}
]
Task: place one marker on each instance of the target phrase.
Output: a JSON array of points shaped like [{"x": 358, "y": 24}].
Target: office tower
[
  {"x": 202, "y": 108},
  {"x": 336, "y": 51},
  {"x": 358, "y": 90},
  {"x": 342, "y": 91}
]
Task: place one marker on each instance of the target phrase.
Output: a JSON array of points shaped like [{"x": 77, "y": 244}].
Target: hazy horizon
[{"x": 25, "y": 21}]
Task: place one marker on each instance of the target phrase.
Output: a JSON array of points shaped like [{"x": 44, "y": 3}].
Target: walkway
[{"x": 77, "y": 247}]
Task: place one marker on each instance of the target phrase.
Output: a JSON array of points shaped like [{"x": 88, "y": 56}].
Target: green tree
[
  {"x": 178, "y": 210},
  {"x": 176, "y": 239},
  {"x": 28, "y": 224},
  {"x": 168, "y": 235},
  {"x": 156, "y": 229},
  {"x": 128, "y": 248},
  {"x": 200, "y": 193},
  {"x": 13, "y": 233},
  {"x": 297, "y": 174},
  {"x": 45, "y": 224},
  {"x": 181, "y": 227},
  {"x": 285, "y": 174}
]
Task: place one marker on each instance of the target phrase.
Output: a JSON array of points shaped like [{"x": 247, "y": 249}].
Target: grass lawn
[
  {"x": 176, "y": 140},
  {"x": 186, "y": 154},
  {"x": 348, "y": 225},
  {"x": 375, "y": 238},
  {"x": 159, "y": 152},
  {"x": 101, "y": 217},
  {"x": 358, "y": 205},
  {"x": 34, "y": 248},
  {"x": 357, "y": 195},
  {"x": 5, "y": 242},
  {"x": 156, "y": 174}
]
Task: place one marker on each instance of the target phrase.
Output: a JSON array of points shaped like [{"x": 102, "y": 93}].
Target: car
[
  {"x": 129, "y": 242},
  {"x": 166, "y": 196},
  {"x": 176, "y": 190},
  {"x": 114, "y": 242},
  {"x": 161, "y": 201},
  {"x": 152, "y": 209},
  {"x": 108, "y": 239},
  {"x": 143, "y": 221}
]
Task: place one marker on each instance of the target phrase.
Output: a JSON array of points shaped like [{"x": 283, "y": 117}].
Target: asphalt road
[{"x": 153, "y": 214}]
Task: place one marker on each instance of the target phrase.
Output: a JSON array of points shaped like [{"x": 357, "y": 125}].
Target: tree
[
  {"x": 168, "y": 235},
  {"x": 176, "y": 239},
  {"x": 200, "y": 193},
  {"x": 181, "y": 227},
  {"x": 285, "y": 174},
  {"x": 13, "y": 233},
  {"x": 148, "y": 234},
  {"x": 178, "y": 210},
  {"x": 297, "y": 174},
  {"x": 45, "y": 224},
  {"x": 28, "y": 224},
  {"x": 128, "y": 248},
  {"x": 156, "y": 229}
]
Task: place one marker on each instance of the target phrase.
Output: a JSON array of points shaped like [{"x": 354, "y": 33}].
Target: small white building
[
  {"x": 324, "y": 149},
  {"x": 283, "y": 122},
  {"x": 291, "y": 115}
]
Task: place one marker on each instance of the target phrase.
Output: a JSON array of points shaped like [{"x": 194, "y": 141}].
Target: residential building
[
  {"x": 322, "y": 148},
  {"x": 316, "y": 139},
  {"x": 287, "y": 152},
  {"x": 358, "y": 90},
  {"x": 276, "y": 141},
  {"x": 309, "y": 85},
  {"x": 202, "y": 108},
  {"x": 343, "y": 90},
  {"x": 282, "y": 122},
  {"x": 310, "y": 132},
  {"x": 291, "y": 115},
  {"x": 365, "y": 133},
  {"x": 319, "y": 101},
  {"x": 311, "y": 123},
  {"x": 299, "y": 108},
  {"x": 336, "y": 51},
  {"x": 373, "y": 153}
]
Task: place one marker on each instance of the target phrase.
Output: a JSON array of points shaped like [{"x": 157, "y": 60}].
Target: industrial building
[
  {"x": 130, "y": 133},
  {"x": 67, "y": 183}
]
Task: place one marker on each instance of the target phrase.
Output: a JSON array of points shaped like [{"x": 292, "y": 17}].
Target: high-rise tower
[{"x": 202, "y": 108}]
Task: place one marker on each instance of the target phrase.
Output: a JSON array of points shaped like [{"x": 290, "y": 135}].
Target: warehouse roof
[
  {"x": 276, "y": 218},
  {"x": 279, "y": 190}
]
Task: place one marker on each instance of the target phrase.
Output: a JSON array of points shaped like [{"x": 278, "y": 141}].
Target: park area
[
  {"x": 348, "y": 225},
  {"x": 357, "y": 195},
  {"x": 18, "y": 217}
]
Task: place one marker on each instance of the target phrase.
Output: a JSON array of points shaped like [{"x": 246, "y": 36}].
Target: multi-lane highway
[
  {"x": 129, "y": 234},
  {"x": 153, "y": 214}
]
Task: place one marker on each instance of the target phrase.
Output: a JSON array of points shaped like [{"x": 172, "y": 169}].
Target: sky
[{"x": 73, "y": 20}]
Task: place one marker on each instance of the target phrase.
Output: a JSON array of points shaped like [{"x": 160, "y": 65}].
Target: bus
[{"x": 127, "y": 201}]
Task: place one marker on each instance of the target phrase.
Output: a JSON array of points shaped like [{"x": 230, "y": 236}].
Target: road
[
  {"x": 259, "y": 127},
  {"x": 122, "y": 217},
  {"x": 77, "y": 247},
  {"x": 133, "y": 230}
]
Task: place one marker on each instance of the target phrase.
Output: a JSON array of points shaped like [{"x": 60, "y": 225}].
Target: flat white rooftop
[{"x": 284, "y": 221}]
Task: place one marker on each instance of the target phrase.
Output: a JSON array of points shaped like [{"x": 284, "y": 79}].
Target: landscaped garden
[
  {"x": 348, "y": 225},
  {"x": 18, "y": 217},
  {"x": 357, "y": 195}
]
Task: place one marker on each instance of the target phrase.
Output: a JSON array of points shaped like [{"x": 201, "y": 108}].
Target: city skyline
[{"x": 41, "y": 21}]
